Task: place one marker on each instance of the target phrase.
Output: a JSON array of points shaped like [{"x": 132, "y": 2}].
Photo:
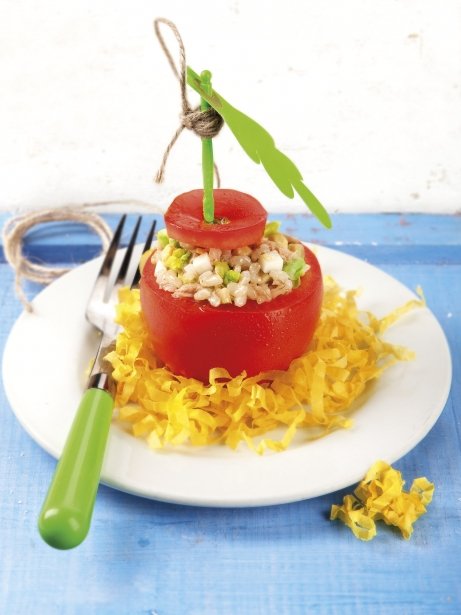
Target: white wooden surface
[{"x": 364, "y": 96}]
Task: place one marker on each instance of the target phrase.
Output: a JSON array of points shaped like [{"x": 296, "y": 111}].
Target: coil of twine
[{"x": 14, "y": 235}]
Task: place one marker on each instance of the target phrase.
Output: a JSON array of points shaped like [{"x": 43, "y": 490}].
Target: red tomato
[
  {"x": 192, "y": 337},
  {"x": 243, "y": 220}
]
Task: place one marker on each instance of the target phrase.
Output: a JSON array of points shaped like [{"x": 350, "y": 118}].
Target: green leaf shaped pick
[{"x": 260, "y": 147}]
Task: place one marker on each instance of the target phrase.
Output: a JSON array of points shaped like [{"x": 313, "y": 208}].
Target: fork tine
[
  {"x": 112, "y": 249},
  {"x": 129, "y": 251},
  {"x": 102, "y": 285},
  {"x": 147, "y": 245}
]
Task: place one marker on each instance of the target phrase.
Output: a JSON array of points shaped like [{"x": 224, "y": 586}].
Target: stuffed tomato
[{"x": 250, "y": 308}]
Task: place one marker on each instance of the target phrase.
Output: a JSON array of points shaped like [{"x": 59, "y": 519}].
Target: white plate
[{"x": 48, "y": 352}]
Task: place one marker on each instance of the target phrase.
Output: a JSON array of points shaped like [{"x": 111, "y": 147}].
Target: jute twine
[
  {"x": 14, "y": 235},
  {"x": 205, "y": 124}
]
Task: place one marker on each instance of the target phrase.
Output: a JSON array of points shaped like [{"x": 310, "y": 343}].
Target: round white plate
[{"x": 48, "y": 351}]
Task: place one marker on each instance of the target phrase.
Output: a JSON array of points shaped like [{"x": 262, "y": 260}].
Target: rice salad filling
[{"x": 260, "y": 272}]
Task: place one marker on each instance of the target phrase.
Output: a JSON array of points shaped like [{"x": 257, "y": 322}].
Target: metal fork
[{"x": 66, "y": 513}]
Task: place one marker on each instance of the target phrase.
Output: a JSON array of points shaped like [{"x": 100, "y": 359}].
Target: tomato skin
[
  {"x": 192, "y": 337},
  {"x": 247, "y": 219}
]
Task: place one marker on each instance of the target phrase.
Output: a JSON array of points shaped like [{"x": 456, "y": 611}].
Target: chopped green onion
[
  {"x": 163, "y": 238},
  {"x": 295, "y": 269},
  {"x": 178, "y": 259},
  {"x": 271, "y": 228},
  {"x": 174, "y": 263},
  {"x": 185, "y": 258},
  {"x": 166, "y": 253},
  {"x": 231, "y": 276},
  {"x": 221, "y": 267}
]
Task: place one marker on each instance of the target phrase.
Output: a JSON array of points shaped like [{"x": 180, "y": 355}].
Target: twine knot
[{"x": 205, "y": 124}]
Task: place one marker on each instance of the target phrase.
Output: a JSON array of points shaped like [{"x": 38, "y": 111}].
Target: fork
[{"x": 66, "y": 513}]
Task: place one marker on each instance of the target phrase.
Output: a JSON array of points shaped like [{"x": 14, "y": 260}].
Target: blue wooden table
[{"x": 148, "y": 557}]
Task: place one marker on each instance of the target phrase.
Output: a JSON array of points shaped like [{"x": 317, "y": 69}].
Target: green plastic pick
[
  {"x": 260, "y": 147},
  {"x": 207, "y": 154}
]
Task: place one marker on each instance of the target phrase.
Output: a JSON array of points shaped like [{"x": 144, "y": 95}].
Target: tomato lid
[{"x": 239, "y": 220}]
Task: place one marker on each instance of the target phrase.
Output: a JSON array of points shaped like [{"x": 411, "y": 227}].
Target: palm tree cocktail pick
[{"x": 253, "y": 138}]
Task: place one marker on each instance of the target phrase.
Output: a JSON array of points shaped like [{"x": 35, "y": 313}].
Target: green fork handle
[{"x": 65, "y": 517}]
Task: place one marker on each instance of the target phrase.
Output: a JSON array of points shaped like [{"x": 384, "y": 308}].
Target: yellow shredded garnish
[
  {"x": 380, "y": 496},
  {"x": 316, "y": 391}
]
